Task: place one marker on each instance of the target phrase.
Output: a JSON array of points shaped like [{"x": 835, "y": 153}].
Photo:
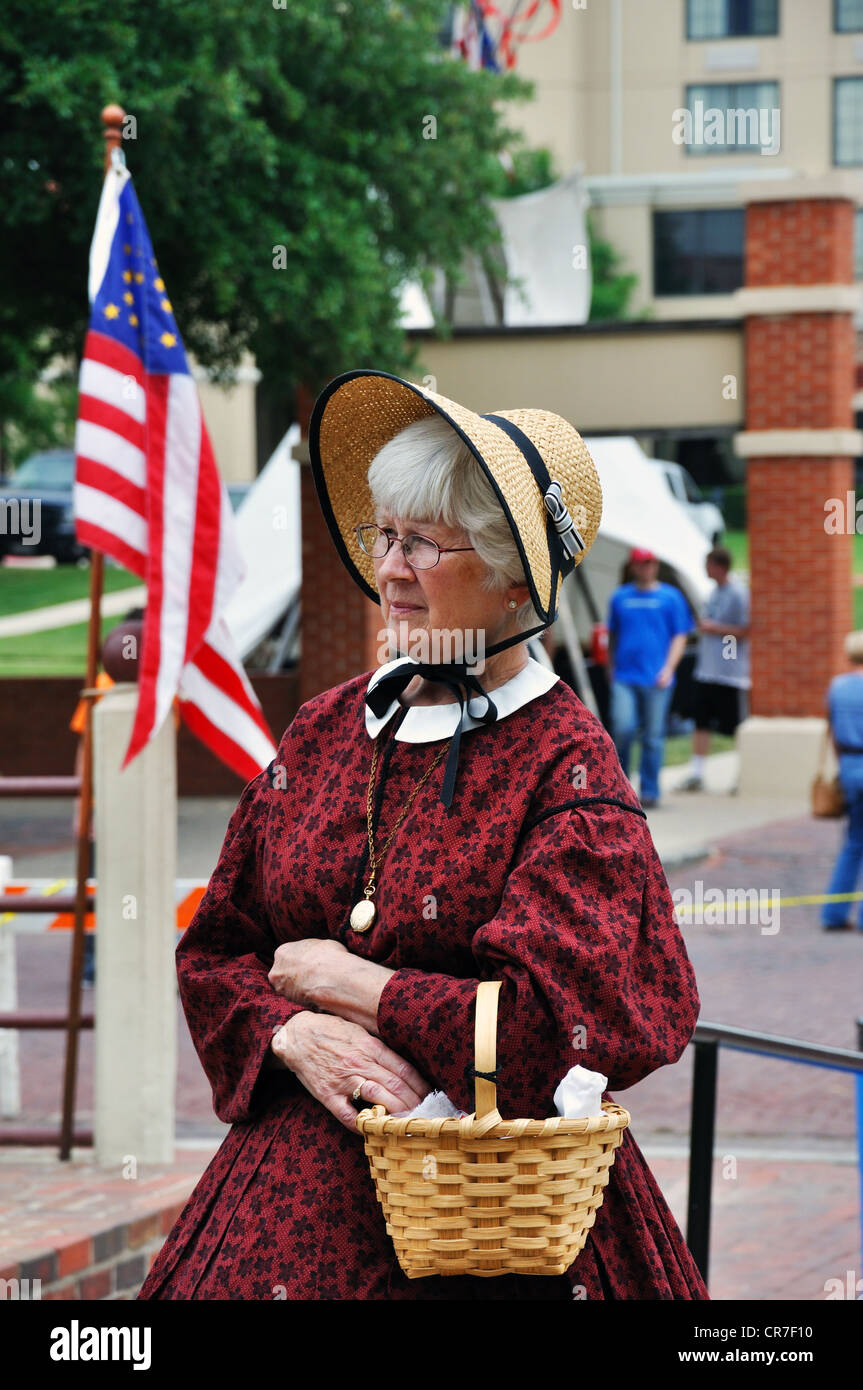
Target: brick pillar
[
  {"x": 339, "y": 624},
  {"x": 799, "y": 440}
]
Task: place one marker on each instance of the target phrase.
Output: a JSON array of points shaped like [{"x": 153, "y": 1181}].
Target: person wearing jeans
[
  {"x": 641, "y": 709},
  {"x": 845, "y": 715},
  {"x": 648, "y": 623}
]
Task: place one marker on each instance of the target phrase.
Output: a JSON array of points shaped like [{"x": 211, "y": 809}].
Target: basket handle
[{"x": 485, "y": 1047}]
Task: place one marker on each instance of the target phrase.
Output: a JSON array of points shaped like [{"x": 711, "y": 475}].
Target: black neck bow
[{"x": 455, "y": 675}]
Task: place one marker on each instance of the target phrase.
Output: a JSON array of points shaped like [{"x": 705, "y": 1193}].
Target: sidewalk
[
  {"x": 686, "y": 825},
  {"x": 75, "y": 611},
  {"x": 786, "y": 1187}
]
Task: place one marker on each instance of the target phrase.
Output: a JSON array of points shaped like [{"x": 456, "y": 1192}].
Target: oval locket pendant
[{"x": 363, "y": 915}]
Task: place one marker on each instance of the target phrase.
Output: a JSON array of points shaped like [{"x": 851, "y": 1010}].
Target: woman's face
[{"x": 446, "y": 597}]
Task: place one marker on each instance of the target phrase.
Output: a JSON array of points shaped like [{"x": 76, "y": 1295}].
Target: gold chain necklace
[{"x": 363, "y": 913}]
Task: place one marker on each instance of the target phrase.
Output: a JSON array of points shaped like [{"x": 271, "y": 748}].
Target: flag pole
[{"x": 112, "y": 120}]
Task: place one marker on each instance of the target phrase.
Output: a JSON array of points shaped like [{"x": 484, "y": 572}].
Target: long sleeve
[
  {"x": 223, "y": 960},
  {"x": 593, "y": 964}
]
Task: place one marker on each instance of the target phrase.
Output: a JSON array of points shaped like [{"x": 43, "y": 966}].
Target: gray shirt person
[{"x": 721, "y": 660}]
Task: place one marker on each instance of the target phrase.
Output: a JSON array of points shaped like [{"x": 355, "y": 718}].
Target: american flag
[
  {"x": 147, "y": 493},
  {"x": 471, "y": 40}
]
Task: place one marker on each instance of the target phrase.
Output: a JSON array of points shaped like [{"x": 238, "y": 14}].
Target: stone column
[
  {"x": 136, "y": 985},
  {"x": 798, "y": 302}
]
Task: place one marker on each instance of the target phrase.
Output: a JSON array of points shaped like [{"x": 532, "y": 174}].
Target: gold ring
[{"x": 357, "y": 1094}]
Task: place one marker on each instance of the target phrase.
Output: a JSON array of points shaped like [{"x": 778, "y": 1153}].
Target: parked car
[
  {"x": 681, "y": 484},
  {"x": 40, "y": 491}
]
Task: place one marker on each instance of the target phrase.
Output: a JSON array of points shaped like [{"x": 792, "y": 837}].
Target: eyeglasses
[{"x": 421, "y": 552}]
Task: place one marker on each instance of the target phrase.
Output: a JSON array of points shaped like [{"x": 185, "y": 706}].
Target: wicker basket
[{"x": 487, "y": 1196}]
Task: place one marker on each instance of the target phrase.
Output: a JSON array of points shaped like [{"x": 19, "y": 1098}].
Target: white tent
[
  {"x": 268, "y": 524},
  {"x": 637, "y": 509}
]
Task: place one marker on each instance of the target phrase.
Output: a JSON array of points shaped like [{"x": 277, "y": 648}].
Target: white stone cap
[{"x": 776, "y": 443}]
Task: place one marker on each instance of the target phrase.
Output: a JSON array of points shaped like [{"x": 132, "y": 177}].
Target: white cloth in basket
[
  {"x": 436, "y": 1106},
  {"x": 578, "y": 1096}
]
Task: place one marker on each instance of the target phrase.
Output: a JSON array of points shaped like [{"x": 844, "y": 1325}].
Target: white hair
[{"x": 427, "y": 470}]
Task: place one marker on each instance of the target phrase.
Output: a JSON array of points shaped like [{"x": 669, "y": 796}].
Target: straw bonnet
[
  {"x": 537, "y": 464},
  {"x": 540, "y": 471}
]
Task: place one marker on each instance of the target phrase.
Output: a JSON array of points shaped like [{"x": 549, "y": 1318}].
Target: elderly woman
[{"x": 364, "y": 890}]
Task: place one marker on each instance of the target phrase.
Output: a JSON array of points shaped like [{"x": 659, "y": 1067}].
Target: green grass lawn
[
  {"x": 23, "y": 589},
  {"x": 60, "y": 651},
  {"x": 678, "y": 749},
  {"x": 738, "y": 544}
]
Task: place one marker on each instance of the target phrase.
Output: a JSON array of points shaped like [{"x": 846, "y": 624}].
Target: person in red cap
[{"x": 648, "y": 623}]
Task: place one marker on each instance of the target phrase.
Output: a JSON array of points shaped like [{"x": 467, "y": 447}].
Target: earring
[{"x": 513, "y": 603}]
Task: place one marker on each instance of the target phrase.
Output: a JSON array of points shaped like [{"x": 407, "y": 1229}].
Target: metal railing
[{"x": 707, "y": 1040}]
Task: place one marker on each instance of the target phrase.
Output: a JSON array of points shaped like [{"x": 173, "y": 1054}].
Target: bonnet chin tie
[{"x": 453, "y": 675}]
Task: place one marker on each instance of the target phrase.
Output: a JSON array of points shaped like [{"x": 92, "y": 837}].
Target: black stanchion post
[{"x": 701, "y": 1132}]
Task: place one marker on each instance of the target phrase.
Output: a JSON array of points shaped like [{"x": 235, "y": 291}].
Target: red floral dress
[{"x": 543, "y": 875}]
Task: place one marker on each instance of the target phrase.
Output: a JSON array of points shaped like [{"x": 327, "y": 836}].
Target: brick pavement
[
  {"x": 780, "y": 1229},
  {"x": 83, "y": 1231}
]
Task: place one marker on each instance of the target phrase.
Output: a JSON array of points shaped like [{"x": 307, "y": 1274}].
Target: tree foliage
[
  {"x": 256, "y": 127},
  {"x": 526, "y": 171},
  {"x": 612, "y": 290}
]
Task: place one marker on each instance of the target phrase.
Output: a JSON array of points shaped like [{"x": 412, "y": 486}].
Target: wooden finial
[{"x": 112, "y": 119}]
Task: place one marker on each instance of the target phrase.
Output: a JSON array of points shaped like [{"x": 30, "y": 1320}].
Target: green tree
[
  {"x": 611, "y": 289},
  {"x": 338, "y": 130},
  {"x": 38, "y": 415},
  {"x": 525, "y": 171}
]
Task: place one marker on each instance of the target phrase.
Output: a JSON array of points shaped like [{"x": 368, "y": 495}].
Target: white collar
[{"x": 427, "y": 723}]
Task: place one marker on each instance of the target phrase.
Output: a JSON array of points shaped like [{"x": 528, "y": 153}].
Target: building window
[
  {"x": 730, "y": 118},
  {"x": 698, "y": 252},
  {"x": 847, "y": 16},
  {"x": 848, "y": 120},
  {"x": 729, "y": 19}
]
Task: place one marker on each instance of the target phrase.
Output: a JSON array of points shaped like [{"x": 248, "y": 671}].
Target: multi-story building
[{"x": 671, "y": 107}]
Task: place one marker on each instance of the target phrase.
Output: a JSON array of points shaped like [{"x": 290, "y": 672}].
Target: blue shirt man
[{"x": 648, "y": 623}]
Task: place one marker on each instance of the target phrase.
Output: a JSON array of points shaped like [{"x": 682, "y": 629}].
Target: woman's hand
[
  {"x": 323, "y": 975},
  {"x": 297, "y": 965},
  {"x": 331, "y": 1057}
]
